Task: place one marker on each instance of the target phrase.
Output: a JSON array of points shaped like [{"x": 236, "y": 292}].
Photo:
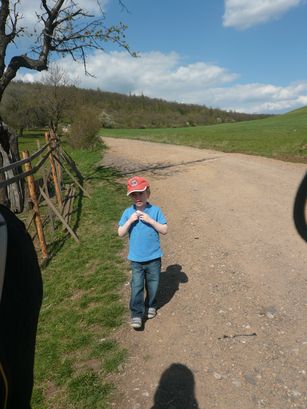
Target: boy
[{"x": 143, "y": 222}]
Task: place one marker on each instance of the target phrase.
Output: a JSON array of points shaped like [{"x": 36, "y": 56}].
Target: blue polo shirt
[{"x": 144, "y": 240}]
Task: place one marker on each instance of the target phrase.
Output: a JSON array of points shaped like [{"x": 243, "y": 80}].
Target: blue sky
[{"x": 243, "y": 55}]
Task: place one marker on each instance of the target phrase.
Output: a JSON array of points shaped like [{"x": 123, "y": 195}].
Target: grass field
[
  {"x": 281, "y": 137},
  {"x": 82, "y": 306},
  {"x": 82, "y": 301}
]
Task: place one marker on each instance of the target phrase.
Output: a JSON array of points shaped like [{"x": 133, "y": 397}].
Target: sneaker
[
  {"x": 136, "y": 322},
  {"x": 152, "y": 312}
]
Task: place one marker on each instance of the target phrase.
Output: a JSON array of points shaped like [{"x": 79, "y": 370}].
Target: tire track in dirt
[{"x": 233, "y": 266}]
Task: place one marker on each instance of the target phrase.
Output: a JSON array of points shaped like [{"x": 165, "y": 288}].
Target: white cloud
[
  {"x": 260, "y": 98},
  {"x": 164, "y": 76},
  {"x": 243, "y": 14}
]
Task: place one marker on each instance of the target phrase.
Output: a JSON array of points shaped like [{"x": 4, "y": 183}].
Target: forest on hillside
[{"x": 52, "y": 102}]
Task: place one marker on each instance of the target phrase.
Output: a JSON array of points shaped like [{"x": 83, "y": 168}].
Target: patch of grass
[
  {"x": 30, "y": 143},
  {"x": 82, "y": 303},
  {"x": 111, "y": 364},
  {"x": 281, "y": 137},
  {"x": 88, "y": 392}
]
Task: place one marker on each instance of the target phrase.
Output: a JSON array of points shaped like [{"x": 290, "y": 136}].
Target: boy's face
[{"x": 139, "y": 199}]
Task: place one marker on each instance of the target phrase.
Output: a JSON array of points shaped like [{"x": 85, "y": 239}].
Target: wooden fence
[{"x": 46, "y": 187}]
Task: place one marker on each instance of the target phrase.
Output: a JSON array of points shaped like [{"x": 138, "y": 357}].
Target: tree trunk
[
  {"x": 3, "y": 192},
  {"x": 11, "y": 196}
]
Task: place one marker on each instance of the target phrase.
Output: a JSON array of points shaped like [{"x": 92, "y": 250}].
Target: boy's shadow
[
  {"x": 169, "y": 283},
  {"x": 176, "y": 389}
]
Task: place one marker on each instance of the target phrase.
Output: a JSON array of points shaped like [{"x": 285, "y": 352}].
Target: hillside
[
  {"x": 280, "y": 136},
  {"x": 141, "y": 112},
  {"x": 115, "y": 110}
]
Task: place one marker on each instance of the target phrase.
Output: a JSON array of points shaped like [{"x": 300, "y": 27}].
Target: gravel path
[{"x": 231, "y": 330}]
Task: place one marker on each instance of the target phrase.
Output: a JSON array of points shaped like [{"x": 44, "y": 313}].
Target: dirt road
[{"x": 231, "y": 331}]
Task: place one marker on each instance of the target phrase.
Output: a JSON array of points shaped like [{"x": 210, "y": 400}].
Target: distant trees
[
  {"x": 18, "y": 109},
  {"x": 55, "y": 101}
]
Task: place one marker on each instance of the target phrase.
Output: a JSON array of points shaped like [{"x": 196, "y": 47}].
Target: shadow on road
[
  {"x": 169, "y": 283},
  {"x": 129, "y": 168},
  {"x": 176, "y": 389},
  {"x": 299, "y": 209}
]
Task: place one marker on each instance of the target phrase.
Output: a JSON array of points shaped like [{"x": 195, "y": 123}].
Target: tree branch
[{"x": 67, "y": 29}]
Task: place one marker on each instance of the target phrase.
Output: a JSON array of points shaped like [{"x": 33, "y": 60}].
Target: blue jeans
[{"x": 145, "y": 275}]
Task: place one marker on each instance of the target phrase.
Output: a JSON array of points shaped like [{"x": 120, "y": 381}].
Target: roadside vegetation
[
  {"x": 280, "y": 137},
  {"x": 76, "y": 351}
]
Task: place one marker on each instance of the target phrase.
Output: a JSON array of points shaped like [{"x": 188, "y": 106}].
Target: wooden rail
[{"x": 39, "y": 196}]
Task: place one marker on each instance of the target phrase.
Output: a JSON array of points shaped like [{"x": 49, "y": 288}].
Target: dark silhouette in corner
[
  {"x": 176, "y": 389},
  {"x": 299, "y": 208},
  {"x": 19, "y": 311},
  {"x": 169, "y": 283}
]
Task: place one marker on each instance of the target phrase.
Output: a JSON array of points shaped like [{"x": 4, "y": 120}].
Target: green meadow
[
  {"x": 76, "y": 350},
  {"x": 281, "y": 137}
]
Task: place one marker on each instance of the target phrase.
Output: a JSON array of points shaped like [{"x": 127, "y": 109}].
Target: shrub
[
  {"x": 106, "y": 120},
  {"x": 84, "y": 128}
]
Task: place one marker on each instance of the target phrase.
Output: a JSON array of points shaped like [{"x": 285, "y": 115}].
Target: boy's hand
[
  {"x": 134, "y": 217},
  {"x": 122, "y": 230},
  {"x": 144, "y": 217}
]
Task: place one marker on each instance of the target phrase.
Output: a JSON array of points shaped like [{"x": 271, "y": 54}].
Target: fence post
[
  {"x": 45, "y": 181},
  {"x": 54, "y": 174},
  {"x": 54, "y": 139},
  {"x": 37, "y": 217}
]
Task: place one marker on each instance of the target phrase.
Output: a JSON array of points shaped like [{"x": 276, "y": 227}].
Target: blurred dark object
[
  {"x": 19, "y": 310},
  {"x": 299, "y": 209}
]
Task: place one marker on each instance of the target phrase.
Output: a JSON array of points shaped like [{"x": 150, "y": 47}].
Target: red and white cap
[{"x": 136, "y": 184}]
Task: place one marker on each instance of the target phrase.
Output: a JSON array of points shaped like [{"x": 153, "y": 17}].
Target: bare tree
[
  {"x": 66, "y": 28},
  {"x": 55, "y": 100},
  {"x": 63, "y": 27}
]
